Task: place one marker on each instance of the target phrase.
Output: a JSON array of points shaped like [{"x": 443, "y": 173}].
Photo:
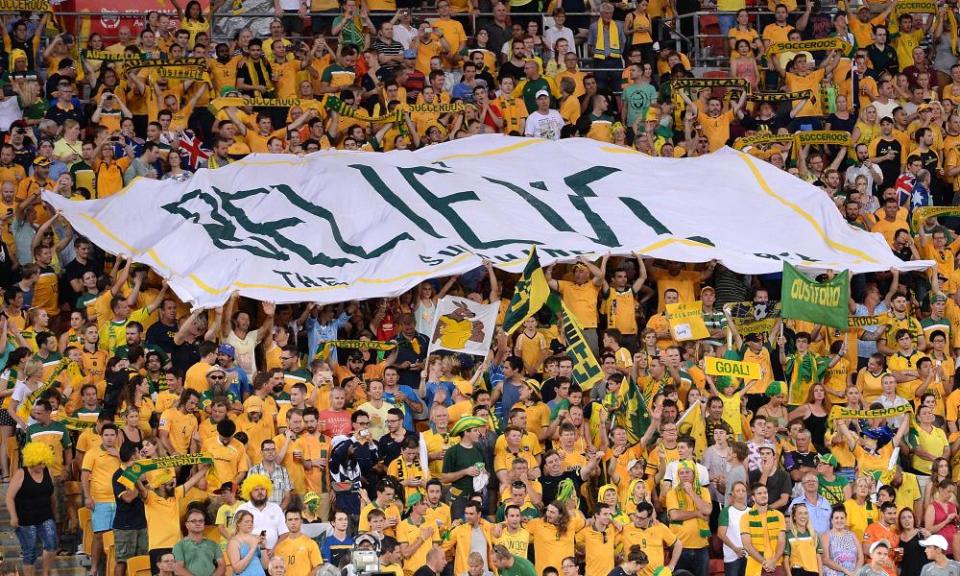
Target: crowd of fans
[{"x": 451, "y": 464}]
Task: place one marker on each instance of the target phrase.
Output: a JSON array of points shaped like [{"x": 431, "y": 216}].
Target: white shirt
[
  {"x": 544, "y": 125},
  {"x": 290, "y": 5},
  {"x": 552, "y": 34},
  {"x": 245, "y": 349},
  {"x": 270, "y": 519},
  {"x": 403, "y": 34},
  {"x": 670, "y": 474},
  {"x": 733, "y": 532}
]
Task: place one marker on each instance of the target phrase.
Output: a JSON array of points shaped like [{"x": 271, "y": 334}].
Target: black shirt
[
  {"x": 425, "y": 571},
  {"x": 389, "y": 448},
  {"x": 161, "y": 335},
  {"x": 551, "y": 484},
  {"x": 74, "y": 271},
  {"x": 184, "y": 356},
  {"x": 129, "y": 515}
]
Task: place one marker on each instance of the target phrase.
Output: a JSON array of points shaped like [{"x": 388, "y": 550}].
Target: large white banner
[
  {"x": 337, "y": 225},
  {"x": 462, "y": 325}
]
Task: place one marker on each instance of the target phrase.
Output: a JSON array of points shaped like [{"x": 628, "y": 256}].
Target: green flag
[
  {"x": 531, "y": 293},
  {"x": 822, "y": 303}
]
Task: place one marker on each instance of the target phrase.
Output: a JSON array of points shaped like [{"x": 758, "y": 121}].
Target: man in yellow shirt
[
  {"x": 177, "y": 425},
  {"x": 652, "y": 537},
  {"x": 715, "y": 123},
  {"x": 299, "y": 552},
  {"x": 416, "y": 534},
  {"x": 96, "y": 480},
  {"x": 580, "y": 297},
  {"x": 763, "y": 533},
  {"x": 597, "y": 541},
  {"x": 689, "y": 507}
]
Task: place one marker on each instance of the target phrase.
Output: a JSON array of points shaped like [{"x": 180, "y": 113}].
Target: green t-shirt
[
  {"x": 637, "y": 99},
  {"x": 35, "y": 430},
  {"x": 456, "y": 459},
  {"x": 198, "y": 557},
  {"x": 832, "y": 490},
  {"x": 521, "y": 567}
]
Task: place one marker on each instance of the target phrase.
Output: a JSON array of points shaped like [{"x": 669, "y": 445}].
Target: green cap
[{"x": 828, "y": 459}]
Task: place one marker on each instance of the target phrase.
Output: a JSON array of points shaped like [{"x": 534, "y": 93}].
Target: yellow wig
[
  {"x": 254, "y": 481},
  {"x": 37, "y": 454}
]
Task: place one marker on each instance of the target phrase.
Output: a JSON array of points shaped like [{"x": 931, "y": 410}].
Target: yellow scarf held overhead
[
  {"x": 809, "y": 46},
  {"x": 600, "y": 49}
]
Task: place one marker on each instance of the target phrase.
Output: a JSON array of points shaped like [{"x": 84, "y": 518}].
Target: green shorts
[{"x": 130, "y": 543}]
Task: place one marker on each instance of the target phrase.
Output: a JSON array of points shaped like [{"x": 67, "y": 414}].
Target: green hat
[
  {"x": 414, "y": 499},
  {"x": 828, "y": 459},
  {"x": 467, "y": 423},
  {"x": 228, "y": 89},
  {"x": 775, "y": 388}
]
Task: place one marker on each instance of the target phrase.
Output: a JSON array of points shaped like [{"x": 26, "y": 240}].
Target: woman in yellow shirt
[
  {"x": 743, "y": 30},
  {"x": 637, "y": 25},
  {"x": 867, "y": 127},
  {"x": 803, "y": 544},
  {"x": 931, "y": 442},
  {"x": 869, "y": 378},
  {"x": 193, "y": 19}
]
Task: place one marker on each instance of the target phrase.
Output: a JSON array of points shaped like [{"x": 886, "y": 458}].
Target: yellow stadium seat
[
  {"x": 138, "y": 566},
  {"x": 110, "y": 550},
  {"x": 85, "y": 517}
]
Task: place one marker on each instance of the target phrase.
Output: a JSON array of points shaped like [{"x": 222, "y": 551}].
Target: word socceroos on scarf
[
  {"x": 916, "y": 7},
  {"x": 841, "y": 413},
  {"x": 809, "y": 46},
  {"x": 24, "y": 5}
]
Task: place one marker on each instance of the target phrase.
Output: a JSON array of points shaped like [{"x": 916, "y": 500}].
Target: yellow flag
[
  {"x": 686, "y": 321},
  {"x": 691, "y": 424}
]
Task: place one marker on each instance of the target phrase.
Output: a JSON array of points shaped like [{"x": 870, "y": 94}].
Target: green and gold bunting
[
  {"x": 586, "y": 369},
  {"x": 780, "y": 96},
  {"x": 821, "y": 303},
  {"x": 842, "y": 413},
  {"x": 531, "y": 294},
  {"x": 809, "y": 46},
  {"x": 627, "y": 408},
  {"x": 133, "y": 472}
]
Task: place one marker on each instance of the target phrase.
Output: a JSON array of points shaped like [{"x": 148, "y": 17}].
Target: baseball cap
[
  {"x": 227, "y": 90},
  {"x": 227, "y": 350},
  {"x": 884, "y": 542},
  {"x": 935, "y": 540},
  {"x": 41, "y": 161},
  {"x": 214, "y": 369},
  {"x": 225, "y": 487},
  {"x": 542, "y": 93}
]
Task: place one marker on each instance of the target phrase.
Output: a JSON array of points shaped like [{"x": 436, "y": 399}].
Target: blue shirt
[
  {"x": 407, "y": 414},
  {"x": 819, "y": 512},
  {"x": 432, "y": 388},
  {"x": 333, "y": 549},
  {"x": 239, "y": 382},
  {"x": 317, "y": 333}
]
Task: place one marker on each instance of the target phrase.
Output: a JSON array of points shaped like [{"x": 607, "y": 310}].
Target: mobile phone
[{"x": 263, "y": 533}]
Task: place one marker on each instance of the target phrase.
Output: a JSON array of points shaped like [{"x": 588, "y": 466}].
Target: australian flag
[
  {"x": 911, "y": 194},
  {"x": 192, "y": 150}
]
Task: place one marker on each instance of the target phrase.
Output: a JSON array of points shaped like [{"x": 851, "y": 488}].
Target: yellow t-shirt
[
  {"x": 101, "y": 465},
  {"x": 549, "y": 545},
  {"x": 180, "y": 427},
  {"x": 933, "y": 442},
  {"x": 651, "y": 540},
  {"x": 163, "y": 519},
  {"x": 300, "y": 553},
  {"x": 518, "y": 544},
  {"x": 716, "y": 129},
  {"x": 693, "y": 532},
  {"x": 598, "y": 548},
  {"x": 811, "y": 82},
  {"x": 581, "y": 299},
  {"x": 407, "y": 533}
]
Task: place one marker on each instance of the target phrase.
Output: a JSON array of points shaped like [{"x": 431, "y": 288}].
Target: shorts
[
  {"x": 103, "y": 516},
  {"x": 46, "y": 532},
  {"x": 6, "y": 419},
  {"x": 130, "y": 543}
]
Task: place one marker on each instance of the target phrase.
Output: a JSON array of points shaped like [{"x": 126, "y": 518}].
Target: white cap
[
  {"x": 882, "y": 542},
  {"x": 632, "y": 463},
  {"x": 935, "y": 540},
  {"x": 542, "y": 93}
]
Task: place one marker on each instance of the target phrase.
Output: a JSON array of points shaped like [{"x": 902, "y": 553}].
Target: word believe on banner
[{"x": 270, "y": 228}]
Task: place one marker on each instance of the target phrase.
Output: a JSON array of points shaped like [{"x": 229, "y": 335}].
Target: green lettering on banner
[
  {"x": 549, "y": 214},
  {"x": 374, "y": 180},
  {"x": 580, "y": 184},
  {"x": 444, "y": 206},
  {"x": 229, "y": 227},
  {"x": 643, "y": 213}
]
